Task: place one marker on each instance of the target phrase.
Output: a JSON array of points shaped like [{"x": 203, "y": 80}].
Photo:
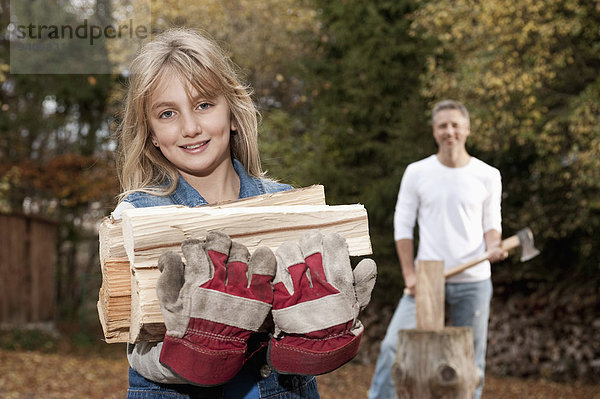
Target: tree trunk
[{"x": 435, "y": 364}]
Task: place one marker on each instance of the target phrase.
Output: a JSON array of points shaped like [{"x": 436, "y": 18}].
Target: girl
[{"x": 189, "y": 137}]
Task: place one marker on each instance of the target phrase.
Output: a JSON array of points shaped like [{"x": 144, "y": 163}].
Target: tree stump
[
  {"x": 435, "y": 364},
  {"x": 433, "y": 361}
]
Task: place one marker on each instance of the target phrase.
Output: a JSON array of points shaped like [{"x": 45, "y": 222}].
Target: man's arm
[
  {"x": 492, "y": 219},
  {"x": 492, "y": 239},
  {"x": 405, "y": 251},
  {"x": 405, "y": 216}
]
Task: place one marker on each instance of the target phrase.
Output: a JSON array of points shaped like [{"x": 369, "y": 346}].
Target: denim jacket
[
  {"x": 186, "y": 195},
  {"x": 256, "y": 380}
]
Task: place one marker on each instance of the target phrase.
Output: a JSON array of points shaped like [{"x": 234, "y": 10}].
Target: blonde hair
[{"x": 201, "y": 61}]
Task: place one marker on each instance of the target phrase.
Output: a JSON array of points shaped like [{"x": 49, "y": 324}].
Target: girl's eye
[
  {"x": 166, "y": 114},
  {"x": 204, "y": 105}
]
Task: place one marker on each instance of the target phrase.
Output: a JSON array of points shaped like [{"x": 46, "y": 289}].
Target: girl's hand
[
  {"x": 317, "y": 299},
  {"x": 211, "y": 305}
]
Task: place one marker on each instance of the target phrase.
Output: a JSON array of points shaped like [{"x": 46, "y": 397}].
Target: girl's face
[{"x": 192, "y": 132}]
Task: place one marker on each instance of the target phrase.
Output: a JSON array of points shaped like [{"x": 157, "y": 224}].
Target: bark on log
[
  {"x": 433, "y": 361},
  {"x": 435, "y": 364}
]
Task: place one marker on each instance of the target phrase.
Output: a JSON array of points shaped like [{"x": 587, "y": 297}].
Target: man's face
[{"x": 450, "y": 129}]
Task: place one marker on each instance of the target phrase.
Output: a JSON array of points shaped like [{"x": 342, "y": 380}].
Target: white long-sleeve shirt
[{"x": 453, "y": 207}]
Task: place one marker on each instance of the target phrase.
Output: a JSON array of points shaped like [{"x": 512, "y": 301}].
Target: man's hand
[
  {"x": 410, "y": 280},
  {"x": 405, "y": 251},
  {"x": 493, "y": 245},
  {"x": 496, "y": 253}
]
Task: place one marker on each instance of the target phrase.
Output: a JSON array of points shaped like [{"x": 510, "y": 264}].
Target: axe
[{"x": 523, "y": 238}]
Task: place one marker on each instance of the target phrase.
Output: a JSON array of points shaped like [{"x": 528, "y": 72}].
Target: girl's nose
[{"x": 191, "y": 125}]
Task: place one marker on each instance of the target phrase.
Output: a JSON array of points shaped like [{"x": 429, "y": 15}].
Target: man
[{"x": 455, "y": 199}]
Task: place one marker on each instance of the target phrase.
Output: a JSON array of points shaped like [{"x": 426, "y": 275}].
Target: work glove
[
  {"x": 317, "y": 299},
  {"x": 211, "y": 305}
]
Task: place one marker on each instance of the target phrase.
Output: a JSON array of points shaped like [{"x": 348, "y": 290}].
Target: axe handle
[{"x": 507, "y": 244}]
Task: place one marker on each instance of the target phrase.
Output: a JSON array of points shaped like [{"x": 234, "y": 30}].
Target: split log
[
  {"x": 120, "y": 275},
  {"x": 115, "y": 328},
  {"x": 146, "y": 322},
  {"x": 114, "y": 304},
  {"x": 311, "y": 195},
  {"x": 114, "y": 300},
  {"x": 148, "y": 232},
  {"x": 110, "y": 234},
  {"x": 110, "y": 231},
  {"x": 429, "y": 301}
]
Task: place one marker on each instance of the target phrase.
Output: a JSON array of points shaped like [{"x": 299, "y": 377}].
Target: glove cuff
[
  {"x": 200, "y": 365},
  {"x": 289, "y": 356}
]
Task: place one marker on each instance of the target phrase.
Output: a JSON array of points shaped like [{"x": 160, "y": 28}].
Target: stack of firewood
[
  {"x": 129, "y": 248},
  {"x": 545, "y": 330}
]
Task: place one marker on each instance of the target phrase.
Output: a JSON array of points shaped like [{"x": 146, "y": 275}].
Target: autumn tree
[
  {"x": 54, "y": 154},
  {"x": 367, "y": 119},
  {"x": 528, "y": 71}
]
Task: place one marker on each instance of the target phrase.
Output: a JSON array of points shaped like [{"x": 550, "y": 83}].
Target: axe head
[{"x": 528, "y": 250}]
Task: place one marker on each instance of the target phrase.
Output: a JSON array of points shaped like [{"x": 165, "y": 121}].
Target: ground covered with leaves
[{"x": 35, "y": 366}]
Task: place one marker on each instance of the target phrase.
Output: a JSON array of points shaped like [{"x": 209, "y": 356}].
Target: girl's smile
[{"x": 192, "y": 147}]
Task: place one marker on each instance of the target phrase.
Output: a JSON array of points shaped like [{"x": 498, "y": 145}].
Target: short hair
[
  {"x": 450, "y": 104},
  {"x": 195, "y": 58}
]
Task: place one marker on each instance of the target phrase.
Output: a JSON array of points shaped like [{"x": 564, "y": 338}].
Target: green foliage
[
  {"x": 266, "y": 38},
  {"x": 528, "y": 71},
  {"x": 49, "y": 53},
  {"x": 28, "y": 340},
  {"x": 284, "y": 147},
  {"x": 367, "y": 117}
]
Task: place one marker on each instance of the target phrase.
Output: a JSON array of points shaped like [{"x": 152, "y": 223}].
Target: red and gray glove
[
  {"x": 317, "y": 298},
  {"x": 211, "y": 305}
]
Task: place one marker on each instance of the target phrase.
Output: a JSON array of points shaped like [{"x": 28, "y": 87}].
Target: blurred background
[{"x": 345, "y": 89}]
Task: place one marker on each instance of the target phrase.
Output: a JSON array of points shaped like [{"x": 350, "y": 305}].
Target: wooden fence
[{"x": 27, "y": 261}]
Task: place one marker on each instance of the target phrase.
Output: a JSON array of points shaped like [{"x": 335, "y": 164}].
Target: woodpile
[
  {"x": 546, "y": 331},
  {"x": 129, "y": 248}
]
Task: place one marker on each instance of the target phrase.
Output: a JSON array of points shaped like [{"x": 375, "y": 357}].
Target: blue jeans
[
  {"x": 469, "y": 305},
  {"x": 246, "y": 385}
]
